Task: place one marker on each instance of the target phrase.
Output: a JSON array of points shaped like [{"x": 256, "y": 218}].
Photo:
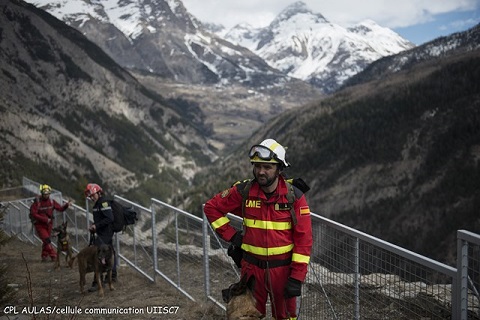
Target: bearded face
[{"x": 265, "y": 173}]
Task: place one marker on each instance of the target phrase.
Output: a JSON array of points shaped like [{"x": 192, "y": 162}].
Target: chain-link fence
[{"x": 351, "y": 275}]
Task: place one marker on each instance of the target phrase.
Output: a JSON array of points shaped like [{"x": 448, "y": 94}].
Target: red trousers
[
  {"x": 43, "y": 232},
  {"x": 271, "y": 283}
]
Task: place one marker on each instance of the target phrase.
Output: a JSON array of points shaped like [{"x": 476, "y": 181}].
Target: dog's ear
[{"x": 226, "y": 295}]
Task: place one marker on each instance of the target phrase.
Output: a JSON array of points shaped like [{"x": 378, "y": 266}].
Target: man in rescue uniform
[
  {"x": 276, "y": 245},
  {"x": 41, "y": 211},
  {"x": 102, "y": 224}
]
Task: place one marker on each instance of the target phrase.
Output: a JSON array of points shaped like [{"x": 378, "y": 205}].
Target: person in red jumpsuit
[
  {"x": 276, "y": 248},
  {"x": 41, "y": 211}
]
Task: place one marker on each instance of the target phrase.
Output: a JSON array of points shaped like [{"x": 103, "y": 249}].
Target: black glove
[
  {"x": 236, "y": 253},
  {"x": 237, "y": 239},
  {"x": 293, "y": 288}
]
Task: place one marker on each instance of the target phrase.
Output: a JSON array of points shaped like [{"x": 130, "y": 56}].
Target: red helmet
[{"x": 91, "y": 189}]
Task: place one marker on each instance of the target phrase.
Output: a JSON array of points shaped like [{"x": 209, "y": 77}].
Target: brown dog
[
  {"x": 98, "y": 260},
  {"x": 63, "y": 244},
  {"x": 240, "y": 300}
]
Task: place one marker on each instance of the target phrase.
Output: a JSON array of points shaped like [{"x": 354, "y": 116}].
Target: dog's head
[
  {"x": 238, "y": 288},
  {"x": 60, "y": 231},
  {"x": 105, "y": 255},
  {"x": 241, "y": 304}
]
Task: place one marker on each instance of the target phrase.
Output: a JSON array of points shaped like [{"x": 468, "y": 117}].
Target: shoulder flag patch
[
  {"x": 225, "y": 193},
  {"x": 304, "y": 210}
]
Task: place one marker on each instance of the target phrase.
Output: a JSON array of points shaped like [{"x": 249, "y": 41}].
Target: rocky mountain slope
[
  {"x": 163, "y": 38},
  {"x": 236, "y": 85},
  {"x": 454, "y": 44},
  {"x": 171, "y": 52},
  {"x": 70, "y": 114}
]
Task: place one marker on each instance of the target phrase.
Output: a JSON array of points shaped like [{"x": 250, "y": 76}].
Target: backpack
[
  {"x": 296, "y": 187},
  {"x": 122, "y": 216},
  {"x": 30, "y": 215}
]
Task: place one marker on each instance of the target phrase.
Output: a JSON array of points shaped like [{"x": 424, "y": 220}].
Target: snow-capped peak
[
  {"x": 384, "y": 40},
  {"x": 307, "y": 46},
  {"x": 295, "y": 9},
  {"x": 132, "y": 18},
  {"x": 164, "y": 37}
]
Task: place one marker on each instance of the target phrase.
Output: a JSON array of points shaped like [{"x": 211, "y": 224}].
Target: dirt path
[{"x": 38, "y": 285}]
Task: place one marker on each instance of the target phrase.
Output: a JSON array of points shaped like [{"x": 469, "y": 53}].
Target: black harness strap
[{"x": 244, "y": 189}]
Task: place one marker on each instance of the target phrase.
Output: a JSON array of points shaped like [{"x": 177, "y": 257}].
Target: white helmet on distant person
[{"x": 268, "y": 151}]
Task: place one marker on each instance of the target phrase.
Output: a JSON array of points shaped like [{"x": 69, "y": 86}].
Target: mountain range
[
  {"x": 69, "y": 113},
  {"x": 394, "y": 152},
  {"x": 161, "y": 37},
  {"x": 296, "y": 59},
  {"x": 305, "y": 45}
]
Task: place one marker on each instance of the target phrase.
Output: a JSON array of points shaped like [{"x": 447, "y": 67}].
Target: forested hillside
[{"x": 397, "y": 158}]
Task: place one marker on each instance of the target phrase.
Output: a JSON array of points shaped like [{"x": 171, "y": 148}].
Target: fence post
[
  {"x": 154, "y": 242},
  {"x": 206, "y": 245},
  {"x": 76, "y": 226},
  {"x": 87, "y": 214},
  {"x": 460, "y": 294},
  {"x": 357, "y": 278},
  {"x": 177, "y": 249},
  {"x": 20, "y": 216},
  {"x": 9, "y": 215}
]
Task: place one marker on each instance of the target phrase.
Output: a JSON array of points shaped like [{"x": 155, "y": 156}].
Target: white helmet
[{"x": 268, "y": 151}]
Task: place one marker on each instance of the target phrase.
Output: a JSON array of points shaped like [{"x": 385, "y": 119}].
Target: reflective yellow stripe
[
  {"x": 267, "y": 225},
  {"x": 297, "y": 257},
  {"x": 274, "y": 146},
  {"x": 220, "y": 222},
  {"x": 267, "y": 251}
]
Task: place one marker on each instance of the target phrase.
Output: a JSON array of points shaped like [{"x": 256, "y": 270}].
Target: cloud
[{"x": 391, "y": 14}]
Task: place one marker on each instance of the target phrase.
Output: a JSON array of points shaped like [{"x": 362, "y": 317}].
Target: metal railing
[
  {"x": 468, "y": 276},
  {"x": 351, "y": 275}
]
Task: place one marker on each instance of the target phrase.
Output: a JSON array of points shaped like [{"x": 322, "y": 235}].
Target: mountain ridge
[
  {"x": 305, "y": 45},
  {"x": 69, "y": 108},
  {"x": 211, "y": 58},
  {"x": 396, "y": 157},
  {"x": 160, "y": 40}
]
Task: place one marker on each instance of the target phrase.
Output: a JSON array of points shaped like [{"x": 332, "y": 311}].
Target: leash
[
  {"x": 324, "y": 293},
  {"x": 92, "y": 239}
]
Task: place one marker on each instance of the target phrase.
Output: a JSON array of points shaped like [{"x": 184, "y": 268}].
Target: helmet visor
[{"x": 263, "y": 153}]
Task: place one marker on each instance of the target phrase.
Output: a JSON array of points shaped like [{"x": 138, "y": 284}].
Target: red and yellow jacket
[{"x": 269, "y": 232}]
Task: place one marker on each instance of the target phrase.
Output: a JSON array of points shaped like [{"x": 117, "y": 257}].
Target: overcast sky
[{"x": 416, "y": 20}]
